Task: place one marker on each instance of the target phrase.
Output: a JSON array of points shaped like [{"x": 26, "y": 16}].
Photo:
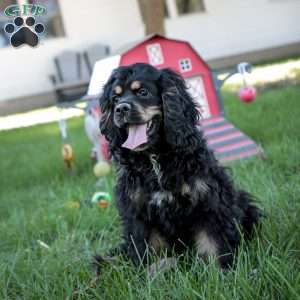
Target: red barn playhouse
[{"x": 227, "y": 141}]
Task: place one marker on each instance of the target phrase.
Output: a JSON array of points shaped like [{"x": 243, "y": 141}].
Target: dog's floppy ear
[
  {"x": 107, "y": 128},
  {"x": 106, "y": 121},
  {"x": 179, "y": 112}
]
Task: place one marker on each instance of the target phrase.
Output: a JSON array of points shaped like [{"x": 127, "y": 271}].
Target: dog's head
[{"x": 143, "y": 106}]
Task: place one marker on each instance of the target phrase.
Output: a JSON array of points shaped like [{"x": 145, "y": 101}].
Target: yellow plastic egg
[
  {"x": 67, "y": 152},
  {"x": 102, "y": 168}
]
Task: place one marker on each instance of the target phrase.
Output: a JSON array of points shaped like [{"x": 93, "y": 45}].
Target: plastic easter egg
[
  {"x": 72, "y": 205},
  {"x": 67, "y": 152},
  {"x": 102, "y": 199},
  {"x": 247, "y": 94},
  {"x": 102, "y": 168}
]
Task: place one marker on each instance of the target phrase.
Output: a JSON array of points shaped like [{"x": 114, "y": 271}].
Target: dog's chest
[
  {"x": 146, "y": 188},
  {"x": 160, "y": 187},
  {"x": 156, "y": 167}
]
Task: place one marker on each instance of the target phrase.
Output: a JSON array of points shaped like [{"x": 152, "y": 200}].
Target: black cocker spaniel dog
[{"x": 172, "y": 194}]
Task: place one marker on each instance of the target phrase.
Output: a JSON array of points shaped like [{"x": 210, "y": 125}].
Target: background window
[
  {"x": 189, "y": 6},
  {"x": 52, "y": 20},
  {"x": 155, "y": 54},
  {"x": 185, "y": 64},
  {"x": 174, "y": 8},
  {"x": 4, "y": 40}
]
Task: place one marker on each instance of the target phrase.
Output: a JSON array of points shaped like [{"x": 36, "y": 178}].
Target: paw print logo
[{"x": 21, "y": 32}]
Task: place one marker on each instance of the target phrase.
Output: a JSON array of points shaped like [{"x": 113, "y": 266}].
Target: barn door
[{"x": 196, "y": 88}]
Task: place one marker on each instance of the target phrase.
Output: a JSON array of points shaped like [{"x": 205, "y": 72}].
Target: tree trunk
[{"x": 152, "y": 12}]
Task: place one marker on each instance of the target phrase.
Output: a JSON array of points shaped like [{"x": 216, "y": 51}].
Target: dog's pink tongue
[{"x": 137, "y": 135}]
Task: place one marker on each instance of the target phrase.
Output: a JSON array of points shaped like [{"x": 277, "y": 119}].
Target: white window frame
[
  {"x": 148, "y": 47},
  {"x": 172, "y": 8}
]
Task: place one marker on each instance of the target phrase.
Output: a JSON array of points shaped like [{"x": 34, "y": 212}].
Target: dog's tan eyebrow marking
[
  {"x": 135, "y": 85},
  {"x": 118, "y": 90}
]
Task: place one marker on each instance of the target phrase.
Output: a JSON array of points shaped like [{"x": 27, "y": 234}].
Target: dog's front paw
[
  {"x": 98, "y": 262},
  {"x": 162, "y": 265}
]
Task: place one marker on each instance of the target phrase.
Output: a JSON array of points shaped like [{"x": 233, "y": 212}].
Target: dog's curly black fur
[{"x": 172, "y": 194}]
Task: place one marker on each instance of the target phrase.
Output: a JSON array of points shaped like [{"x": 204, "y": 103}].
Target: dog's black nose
[{"x": 123, "y": 108}]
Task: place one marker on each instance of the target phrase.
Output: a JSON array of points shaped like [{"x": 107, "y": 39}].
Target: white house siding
[
  {"x": 233, "y": 27},
  {"x": 226, "y": 28},
  {"x": 24, "y": 71}
]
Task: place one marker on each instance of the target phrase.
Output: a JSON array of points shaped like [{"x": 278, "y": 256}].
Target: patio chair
[
  {"x": 71, "y": 78},
  {"x": 92, "y": 117},
  {"x": 95, "y": 53}
]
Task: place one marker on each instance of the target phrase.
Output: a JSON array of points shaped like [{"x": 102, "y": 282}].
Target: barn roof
[{"x": 138, "y": 42}]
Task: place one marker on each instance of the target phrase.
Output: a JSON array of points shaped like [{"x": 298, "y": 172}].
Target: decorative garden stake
[
  {"x": 67, "y": 150},
  {"x": 246, "y": 93}
]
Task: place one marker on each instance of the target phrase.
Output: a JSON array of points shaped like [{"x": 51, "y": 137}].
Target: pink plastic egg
[{"x": 247, "y": 94}]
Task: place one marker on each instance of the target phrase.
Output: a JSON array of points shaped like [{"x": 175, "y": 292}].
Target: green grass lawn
[{"x": 34, "y": 205}]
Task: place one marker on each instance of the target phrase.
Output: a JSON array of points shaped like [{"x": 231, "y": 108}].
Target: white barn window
[
  {"x": 185, "y": 65},
  {"x": 155, "y": 54}
]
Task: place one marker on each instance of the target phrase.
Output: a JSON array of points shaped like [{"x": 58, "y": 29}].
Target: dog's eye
[
  {"x": 116, "y": 98},
  {"x": 142, "y": 92}
]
